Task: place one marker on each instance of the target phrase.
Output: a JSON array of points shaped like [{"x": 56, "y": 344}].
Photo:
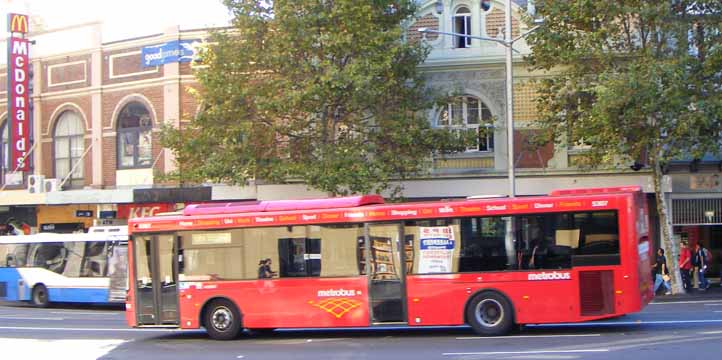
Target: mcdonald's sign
[
  {"x": 18, "y": 23},
  {"x": 19, "y": 101}
]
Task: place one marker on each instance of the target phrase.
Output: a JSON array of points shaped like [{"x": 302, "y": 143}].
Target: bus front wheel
[
  {"x": 40, "y": 296},
  {"x": 490, "y": 313},
  {"x": 222, "y": 320}
]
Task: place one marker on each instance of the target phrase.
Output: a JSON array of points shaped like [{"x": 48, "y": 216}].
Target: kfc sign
[
  {"x": 132, "y": 211},
  {"x": 19, "y": 101}
]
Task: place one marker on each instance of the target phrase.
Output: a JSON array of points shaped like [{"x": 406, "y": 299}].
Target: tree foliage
[
  {"x": 635, "y": 79},
  {"x": 321, "y": 91}
]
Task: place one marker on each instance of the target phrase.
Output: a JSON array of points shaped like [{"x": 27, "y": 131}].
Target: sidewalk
[{"x": 713, "y": 293}]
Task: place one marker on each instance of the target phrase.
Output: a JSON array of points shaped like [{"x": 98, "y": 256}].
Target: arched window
[
  {"x": 462, "y": 25},
  {"x": 134, "y": 136},
  {"x": 469, "y": 112},
  {"x": 69, "y": 148}
]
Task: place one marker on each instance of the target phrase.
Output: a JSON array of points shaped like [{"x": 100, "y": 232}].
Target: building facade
[
  {"x": 476, "y": 70},
  {"x": 97, "y": 110}
]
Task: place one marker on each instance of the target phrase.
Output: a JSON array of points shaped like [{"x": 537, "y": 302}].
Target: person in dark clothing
[
  {"x": 264, "y": 269},
  {"x": 699, "y": 259},
  {"x": 660, "y": 270}
]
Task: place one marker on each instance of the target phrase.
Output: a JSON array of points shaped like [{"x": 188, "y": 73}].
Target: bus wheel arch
[
  {"x": 490, "y": 312},
  {"x": 40, "y": 296},
  {"x": 222, "y": 318}
]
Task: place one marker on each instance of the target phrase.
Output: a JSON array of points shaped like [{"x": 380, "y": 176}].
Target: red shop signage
[
  {"x": 132, "y": 211},
  {"x": 18, "y": 101}
]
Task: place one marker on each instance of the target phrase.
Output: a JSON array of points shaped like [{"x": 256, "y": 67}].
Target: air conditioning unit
[
  {"x": 51, "y": 185},
  {"x": 35, "y": 184}
]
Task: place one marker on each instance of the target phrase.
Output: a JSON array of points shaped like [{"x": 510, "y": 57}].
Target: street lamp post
[{"x": 508, "y": 43}]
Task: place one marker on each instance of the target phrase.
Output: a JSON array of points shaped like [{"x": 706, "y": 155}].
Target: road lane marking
[
  {"x": 85, "y": 329},
  {"x": 687, "y": 302},
  {"x": 66, "y": 312},
  {"x": 50, "y": 349},
  {"x": 31, "y": 318},
  {"x": 638, "y": 322},
  {"x": 524, "y": 336},
  {"x": 710, "y": 332},
  {"x": 527, "y": 352}
]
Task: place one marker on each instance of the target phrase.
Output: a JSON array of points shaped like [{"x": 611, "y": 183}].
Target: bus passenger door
[
  {"x": 386, "y": 273},
  {"x": 156, "y": 280}
]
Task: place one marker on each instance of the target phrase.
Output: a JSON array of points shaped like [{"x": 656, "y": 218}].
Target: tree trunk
[{"x": 671, "y": 248}]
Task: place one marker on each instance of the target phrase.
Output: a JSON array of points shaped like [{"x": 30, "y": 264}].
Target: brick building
[
  {"x": 97, "y": 110},
  {"x": 99, "y": 106}
]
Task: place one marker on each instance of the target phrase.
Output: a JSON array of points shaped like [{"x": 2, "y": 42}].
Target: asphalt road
[{"x": 682, "y": 328}]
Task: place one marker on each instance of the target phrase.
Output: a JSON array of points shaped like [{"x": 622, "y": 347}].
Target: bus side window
[
  {"x": 95, "y": 261},
  {"x": 5, "y": 256},
  {"x": 17, "y": 255}
]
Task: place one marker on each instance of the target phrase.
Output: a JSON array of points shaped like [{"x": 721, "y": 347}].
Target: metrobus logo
[
  {"x": 17, "y": 23},
  {"x": 554, "y": 275},
  {"x": 337, "y": 292}
]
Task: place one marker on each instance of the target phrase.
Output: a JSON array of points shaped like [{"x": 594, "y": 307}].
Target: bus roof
[
  {"x": 598, "y": 190},
  {"x": 282, "y": 205},
  {"x": 109, "y": 233}
]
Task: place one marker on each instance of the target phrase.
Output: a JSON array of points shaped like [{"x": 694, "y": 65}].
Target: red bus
[{"x": 572, "y": 256}]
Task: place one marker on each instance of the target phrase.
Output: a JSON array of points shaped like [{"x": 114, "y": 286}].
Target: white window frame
[
  {"x": 450, "y": 110},
  {"x": 462, "y": 25},
  {"x": 70, "y": 157}
]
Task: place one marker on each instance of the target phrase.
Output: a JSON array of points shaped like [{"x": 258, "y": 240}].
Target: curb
[{"x": 713, "y": 293}]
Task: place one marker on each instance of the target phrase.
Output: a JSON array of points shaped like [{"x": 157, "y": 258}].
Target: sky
[{"x": 122, "y": 19}]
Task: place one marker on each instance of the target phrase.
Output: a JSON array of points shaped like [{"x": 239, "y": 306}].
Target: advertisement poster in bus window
[
  {"x": 436, "y": 249},
  {"x": 118, "y": 273}
]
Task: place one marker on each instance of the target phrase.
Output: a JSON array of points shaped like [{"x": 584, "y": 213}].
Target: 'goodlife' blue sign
[{"x": 172, "y": 51}]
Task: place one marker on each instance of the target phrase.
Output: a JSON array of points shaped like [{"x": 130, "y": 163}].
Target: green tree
[
  {"x": 635, "y": 79},
  {"x": 321, "y": 91}
]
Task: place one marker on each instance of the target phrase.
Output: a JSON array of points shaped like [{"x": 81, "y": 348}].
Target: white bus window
[
  {"x": 212, "y": 255},
  {"x": 95, "y": 259},
  {"x": 51, "y": 256}
]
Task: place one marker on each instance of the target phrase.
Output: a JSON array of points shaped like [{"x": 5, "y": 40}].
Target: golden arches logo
[
  {"x": 18, "y": 23},
  {"x": 337, "y": 307}
]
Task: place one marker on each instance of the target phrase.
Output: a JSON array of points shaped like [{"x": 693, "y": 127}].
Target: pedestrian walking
[
  {"x": 699, "y": 259},
  {"x": 685, "y": 265},
  {"x": 661, "y": 273}
]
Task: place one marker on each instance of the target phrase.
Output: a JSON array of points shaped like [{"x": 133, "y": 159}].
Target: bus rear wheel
[
  {"x": 40, "y": 296},
  {"x": 490, "y": 313},
  {"x": 222, "y": 320}
]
